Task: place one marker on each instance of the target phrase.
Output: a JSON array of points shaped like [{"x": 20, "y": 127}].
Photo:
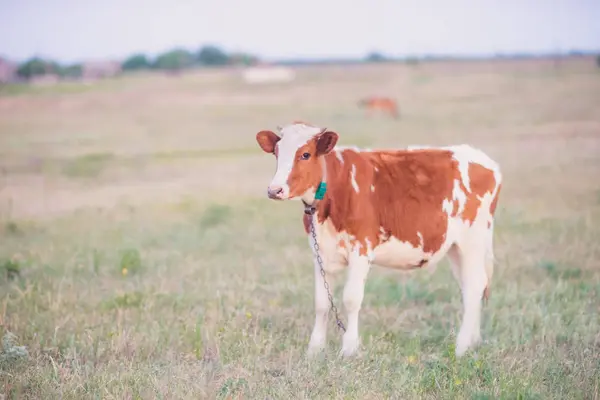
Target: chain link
[{"x": 338, "y": 321}]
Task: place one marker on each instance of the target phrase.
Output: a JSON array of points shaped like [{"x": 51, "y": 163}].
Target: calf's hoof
[
  {"x": 463, "y": 345},
  {"x": 349, "y": 348}
]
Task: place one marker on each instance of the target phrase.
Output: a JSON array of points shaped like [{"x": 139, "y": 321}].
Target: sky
[{"x": 72, "y": 30}]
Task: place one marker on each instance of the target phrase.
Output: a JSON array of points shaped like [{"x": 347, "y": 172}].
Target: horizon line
[{"x": 314, "y": 58}]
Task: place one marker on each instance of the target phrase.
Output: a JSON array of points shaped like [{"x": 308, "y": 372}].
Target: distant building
[
  {"x": 8, "y": 71},
  {"x": 100, "y": 69},
  {"x": 268, "y": 74}
]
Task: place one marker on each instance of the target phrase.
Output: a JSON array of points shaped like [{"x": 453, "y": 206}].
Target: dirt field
[{"x": 140, "y": 257}]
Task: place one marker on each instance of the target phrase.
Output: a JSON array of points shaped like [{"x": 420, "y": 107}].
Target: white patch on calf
[
  {"x": 465, "y": 154},
  {"x": 372, "y": 188},
  {"x": 459, "y": 196},
  {"x": 463, "y": 168},
  {"x": 353, "y": 178},
  {"x": 292, "y": 138},
  {"x": 308, "y": 196},
  {"x": 447, "y": 206},
  {"x": 370, "y": 253},
  {"x": 334, "y": 257},
  {"x": 398, "y": 254},
  {"x": 383, "y": 236},
  {"x": 339, "y": 155}
]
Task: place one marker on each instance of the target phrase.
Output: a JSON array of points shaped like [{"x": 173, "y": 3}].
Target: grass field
[{"x": 141, "y": 259}]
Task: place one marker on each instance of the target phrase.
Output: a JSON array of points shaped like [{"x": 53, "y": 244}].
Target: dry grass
[{"x": 141, "y": 259}]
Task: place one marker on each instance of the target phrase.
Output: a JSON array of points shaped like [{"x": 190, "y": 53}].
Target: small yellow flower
[
  {"x": 248, "y": 315},
  {"x": 411, "y": 359},
  {"x": 124, "y": 271},
  {"x": 457, "y": 382}
]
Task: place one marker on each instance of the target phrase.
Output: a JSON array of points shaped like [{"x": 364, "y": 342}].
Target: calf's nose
[{"x": 274, "y": 191}]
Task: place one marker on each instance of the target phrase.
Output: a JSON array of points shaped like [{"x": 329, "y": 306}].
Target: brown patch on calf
[
  {"x": 412, "y": 201},
  {"x": 494, "y": 203},
  {"x": 481, "y": 181},
  {"x": 412, "y": 186},
  {"x": 306, "y": 174}
]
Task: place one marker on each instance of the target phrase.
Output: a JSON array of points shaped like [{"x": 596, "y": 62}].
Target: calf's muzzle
[{"x": 275, "y": 192}]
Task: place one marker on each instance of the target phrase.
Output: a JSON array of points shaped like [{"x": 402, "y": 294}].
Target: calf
[{"x": 402, "y": 209}]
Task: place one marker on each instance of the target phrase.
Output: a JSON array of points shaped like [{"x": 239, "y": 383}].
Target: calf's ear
[
  {"x": 267, "y": 141},
  {"x": 326, "y": 142}
]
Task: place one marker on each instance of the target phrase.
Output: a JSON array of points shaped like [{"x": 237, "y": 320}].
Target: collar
[
  {"x": 320, "y": 193},
  {"x": 310, "y": 209}
]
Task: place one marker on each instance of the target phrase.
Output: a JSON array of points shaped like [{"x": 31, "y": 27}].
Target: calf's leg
[
  {"x": 455, "y": 262},
  {"x": 319, "y": 332},
  {"x": 358, "y": 269},
  {"x": 473, "y": 280}
]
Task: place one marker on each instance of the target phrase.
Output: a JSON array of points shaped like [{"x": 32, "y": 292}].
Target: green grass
[
  {"x": 89, "y": 165},
  {"x": 194, "y": 315},
  {"x": 150, "y": 264}
]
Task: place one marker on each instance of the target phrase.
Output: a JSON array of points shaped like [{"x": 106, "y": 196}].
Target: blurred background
[{"x": 140, "y": 257}]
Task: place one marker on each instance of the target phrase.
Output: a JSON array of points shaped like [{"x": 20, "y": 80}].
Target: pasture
[{"x": 140, "y": 257}]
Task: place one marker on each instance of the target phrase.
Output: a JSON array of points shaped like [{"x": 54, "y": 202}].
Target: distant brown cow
[{"x": 384, "y": 104}]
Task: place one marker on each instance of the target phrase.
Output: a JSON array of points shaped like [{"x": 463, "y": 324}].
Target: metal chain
[{"x": 338, "y": 321}]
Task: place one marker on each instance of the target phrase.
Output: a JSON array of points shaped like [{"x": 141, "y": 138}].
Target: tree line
[
  {"x": 172, "y": 60},
  {"x": 178, "y": 59}
]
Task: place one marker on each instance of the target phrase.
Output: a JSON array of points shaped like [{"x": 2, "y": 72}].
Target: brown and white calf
[{"x": 399, "y": 208}]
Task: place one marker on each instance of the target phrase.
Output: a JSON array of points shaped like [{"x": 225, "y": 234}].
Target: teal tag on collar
[{"x": 321, "y": 189}]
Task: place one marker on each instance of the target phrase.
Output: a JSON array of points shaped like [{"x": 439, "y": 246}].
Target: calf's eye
[{"x": 305, "y": 156}]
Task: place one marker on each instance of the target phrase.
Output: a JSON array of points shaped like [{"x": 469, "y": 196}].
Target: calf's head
[{"x": 298, "y": 149}]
